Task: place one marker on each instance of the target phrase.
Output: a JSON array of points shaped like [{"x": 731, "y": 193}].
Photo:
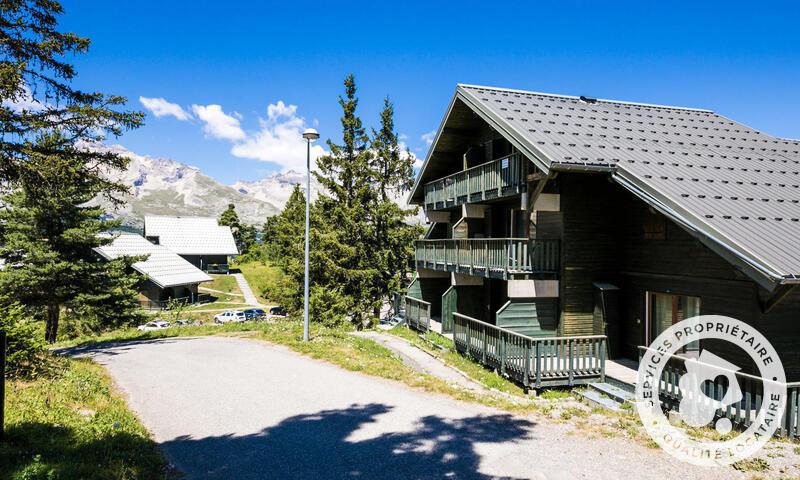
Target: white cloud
[
  {"x": 219, "y": 124},
  {"x": 25, "y": 102},
  {"x": 160, "y": 107},
  {"x": 279, "y": 139},
  {"x": 429, "y": 137}
]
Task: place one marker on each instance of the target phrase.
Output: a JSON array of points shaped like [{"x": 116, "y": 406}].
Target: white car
[
  {"x": 230, "y": 316},
  {"x": 154, "y": 325}
]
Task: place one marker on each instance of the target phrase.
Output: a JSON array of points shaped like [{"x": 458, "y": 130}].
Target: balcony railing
[
  {"x": 742, "y": 413},
  {"x": 496, "y": 179},
  {"x": 534, "y": 362},
  {"x": 417, "y": 314},
  {"x": 489, "y": 257},
  {"x": 217, "y": 268},
  {"x": 194, "y": 299}
]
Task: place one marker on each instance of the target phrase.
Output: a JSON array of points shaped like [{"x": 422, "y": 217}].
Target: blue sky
[{"x": 225, "y": 63}]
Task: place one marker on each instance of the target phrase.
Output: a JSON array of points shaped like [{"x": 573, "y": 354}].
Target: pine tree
[
  {"x": 49, "y": 231},
  {"x": 393, "y": 237},
  {"x": 346, "y": 176},
  {"x": 36, "y": 95},
  {"x": 244, "y": 235}
]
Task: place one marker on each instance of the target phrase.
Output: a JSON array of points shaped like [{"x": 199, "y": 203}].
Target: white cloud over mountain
[
  {"x": 160, "y": 107},
  {"x": 218, "y": 124},
  {"x": 279, "y": 139}
]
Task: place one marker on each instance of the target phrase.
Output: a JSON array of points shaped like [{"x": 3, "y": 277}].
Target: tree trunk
[{"x": 51, "y": 328}]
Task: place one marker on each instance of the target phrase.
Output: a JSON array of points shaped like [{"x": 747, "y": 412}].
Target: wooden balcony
[
  {"x": 490, "y": 257},
  {"x": 499, "y": 178},
  {"x": 532, "y": 361}
]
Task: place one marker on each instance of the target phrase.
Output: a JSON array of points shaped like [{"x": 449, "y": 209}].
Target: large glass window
[{"x": 667, "y": 309}]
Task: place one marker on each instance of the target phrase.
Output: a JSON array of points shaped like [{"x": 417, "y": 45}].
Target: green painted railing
[
  {"x": 417, "y": 314},
  {"x": 742, "y": 414},
  {"x": 499, "y": 178},
  {"x": 398, "y": 304},
  {"x": 487, "y": 255},
  {"x": 534, "y": 362}
]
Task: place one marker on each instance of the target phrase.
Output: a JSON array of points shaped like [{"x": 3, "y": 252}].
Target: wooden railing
[
  {"x": 217, "y": 268},
  {"x": 487, "y": 255},
  {"x": 398, "y": 305},
  {"x": 180, "y": 301},
  {"x": 743, "y": 413},
  {"x": 498, "y": 178},
  {"x": 417, "y": 314},
  {"x": 534, "y": 362}
]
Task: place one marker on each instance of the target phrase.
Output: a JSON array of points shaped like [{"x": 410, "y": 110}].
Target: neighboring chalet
[
  {"x": 168, "y": 276},
  {"x": 598, "y": 224},
  {"x": 200, "y": 240}
]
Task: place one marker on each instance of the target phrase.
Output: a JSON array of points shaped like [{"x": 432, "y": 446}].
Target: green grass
[
  {"x": 226, "y": 284},
  {"x": 433, "y": 343},
  {"x": 72, "y": 425},
  {"x": 223, "y": 283},
  {"x": 260, "y": 277}
]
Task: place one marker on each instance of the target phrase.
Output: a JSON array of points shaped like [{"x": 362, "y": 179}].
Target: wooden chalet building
[
  {"x": 167, "y": 276},
  {"x": 201, "y": 241},
  {"x": 597, "y": 224}
]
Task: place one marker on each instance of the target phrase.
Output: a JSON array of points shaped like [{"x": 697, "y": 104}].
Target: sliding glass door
[{"x": 666, "y": 309}]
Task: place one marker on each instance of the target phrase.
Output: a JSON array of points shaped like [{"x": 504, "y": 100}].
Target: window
[{"x": 666, "y": 309}]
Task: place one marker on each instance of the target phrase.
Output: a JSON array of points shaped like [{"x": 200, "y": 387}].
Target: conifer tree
[
  {"x": 346, "y": 175},
  {"x": 393, "y": 177},
  {"x": 49, "y": 231},
  {"x": 36, "y": 94},
  {"x": 244, "y": 235}
]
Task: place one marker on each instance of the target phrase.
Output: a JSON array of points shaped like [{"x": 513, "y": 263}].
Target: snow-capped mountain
[
  {"x": 277, "y": 187},
  {"x": 160, "y": 186}
]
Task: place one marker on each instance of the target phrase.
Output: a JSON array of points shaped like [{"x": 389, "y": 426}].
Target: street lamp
[{"x": 310, "y": 135}]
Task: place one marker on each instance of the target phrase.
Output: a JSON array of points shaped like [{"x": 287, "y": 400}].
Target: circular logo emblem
[{"x": 706, "y": 390}]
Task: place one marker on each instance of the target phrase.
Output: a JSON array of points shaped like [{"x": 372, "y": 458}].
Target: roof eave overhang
[
  {"x": 755, "y": 268},
  {"x": 517, "y": 139}
]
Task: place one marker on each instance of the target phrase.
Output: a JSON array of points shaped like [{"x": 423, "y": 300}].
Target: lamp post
[{"x": 310, "y": 135}]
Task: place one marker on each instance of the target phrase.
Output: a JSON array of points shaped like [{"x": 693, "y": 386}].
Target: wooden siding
[
  {"x": 607, "y": 236},
  {"x": 590, "y": 247},
  {"x": 531, "y": 317}
]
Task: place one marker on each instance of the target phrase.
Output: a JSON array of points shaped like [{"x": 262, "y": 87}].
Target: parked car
[
  {"x": 154, "y": 325},
  {"x": 255, "y": 314},
  {"x": 185, "y": 322},
  {"x": 230, "y": 316},
  {"x": 280, "y": 311}
]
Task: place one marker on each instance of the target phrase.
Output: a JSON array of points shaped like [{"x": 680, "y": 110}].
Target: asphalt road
[{"x": 233, "y": 408}]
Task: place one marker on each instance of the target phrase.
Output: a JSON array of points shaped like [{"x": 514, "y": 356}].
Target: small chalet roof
[
  {"x": 163, "y": 267},
  {"x": 733, "y": 187},
  {"x": 191, "y": 235}
]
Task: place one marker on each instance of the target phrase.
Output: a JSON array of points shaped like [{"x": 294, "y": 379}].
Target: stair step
[
  {"x": 594, "y": 397},
  {"x": 613, "y": 392}
]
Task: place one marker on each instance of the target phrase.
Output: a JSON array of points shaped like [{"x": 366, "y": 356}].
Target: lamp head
[{"x": 310, "y": 134}]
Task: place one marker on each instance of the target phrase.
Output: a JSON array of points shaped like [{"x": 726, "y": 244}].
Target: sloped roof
[
  {"x": 163, "y": 267},
  {"x": 191, "y": 235},
  {"x": 733, "y": 186}
]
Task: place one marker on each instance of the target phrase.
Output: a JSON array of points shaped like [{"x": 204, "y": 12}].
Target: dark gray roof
[{"x": 728, "y": 183}]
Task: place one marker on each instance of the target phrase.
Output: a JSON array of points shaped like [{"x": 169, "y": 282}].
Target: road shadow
[
  {"x": 112, "y": 348},
  {"x": 316, "y": 446}
]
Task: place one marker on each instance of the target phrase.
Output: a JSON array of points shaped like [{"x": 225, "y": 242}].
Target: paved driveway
[{"x": 234, "y": 408}]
